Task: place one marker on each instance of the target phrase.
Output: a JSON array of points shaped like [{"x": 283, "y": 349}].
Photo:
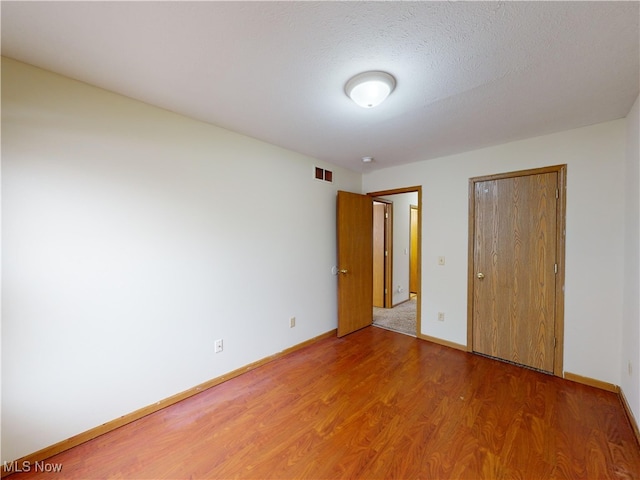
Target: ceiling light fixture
[
  {"x": 369, "y": 89},
  {"x": 367, "y": 159}
]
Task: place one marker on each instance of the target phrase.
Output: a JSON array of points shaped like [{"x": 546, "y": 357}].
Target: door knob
[
  {"x": 480, "y": 275},
  {"x": 342, "y": 271}
]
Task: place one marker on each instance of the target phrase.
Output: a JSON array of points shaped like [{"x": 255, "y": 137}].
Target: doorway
[
  {"x": 516, "y": 267},
  {"x": 397, "y": 259},
  {"x": 354, "y": 269}
]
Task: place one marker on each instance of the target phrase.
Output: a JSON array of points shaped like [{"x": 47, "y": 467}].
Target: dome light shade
[{"x": 369, "y": 89}]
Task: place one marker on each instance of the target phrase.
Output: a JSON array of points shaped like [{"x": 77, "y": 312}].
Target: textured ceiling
[{"x": 470, "y": 74}]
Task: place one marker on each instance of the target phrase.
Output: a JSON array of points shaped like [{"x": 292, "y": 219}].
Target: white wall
[
  {"x": 595, "y": 157},
  {"x": 132, "y": 239},
  {"x": 630, "y": 380}
]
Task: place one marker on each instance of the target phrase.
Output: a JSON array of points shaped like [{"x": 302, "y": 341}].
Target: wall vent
[{"x": 323, "y": 174}]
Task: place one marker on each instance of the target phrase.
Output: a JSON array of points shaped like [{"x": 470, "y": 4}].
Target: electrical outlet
[
  {"x": 292, "y": 322},
  {"x": 630, "y": 368},
  {"x": 218, "y": 345},
  {"x": 441, "y": 316}
]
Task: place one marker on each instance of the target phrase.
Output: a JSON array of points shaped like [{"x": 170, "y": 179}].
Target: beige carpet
[{"x": 401, "y": 318}]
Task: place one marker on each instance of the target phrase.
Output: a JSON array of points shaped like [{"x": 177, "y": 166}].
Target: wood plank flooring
[{"x": 372, "y": 405}]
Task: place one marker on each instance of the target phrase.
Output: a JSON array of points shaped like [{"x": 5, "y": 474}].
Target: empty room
[{"x": 205, "y": 204}]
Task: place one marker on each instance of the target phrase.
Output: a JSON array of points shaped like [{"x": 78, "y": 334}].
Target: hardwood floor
[{"x": 372, "y": 405}]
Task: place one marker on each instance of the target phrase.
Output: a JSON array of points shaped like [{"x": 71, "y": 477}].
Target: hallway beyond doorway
[{"x": 401, "y": 318}]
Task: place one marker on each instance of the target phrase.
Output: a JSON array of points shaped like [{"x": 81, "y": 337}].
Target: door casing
[{"x": 560, "y": 255}]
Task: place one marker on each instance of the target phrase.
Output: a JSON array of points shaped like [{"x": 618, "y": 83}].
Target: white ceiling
[{"x": 470, "y": 74}]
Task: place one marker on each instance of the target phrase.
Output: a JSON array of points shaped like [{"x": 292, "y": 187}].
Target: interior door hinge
[
  {"x": 555, "y": 342},
  {"x": 557, "y": 193},
  {"x": 386, "y": 253},
  {"x": 555, "y": 268},
  {"x": 386, "y": 215},
  {"x": 385, "y": 291}
]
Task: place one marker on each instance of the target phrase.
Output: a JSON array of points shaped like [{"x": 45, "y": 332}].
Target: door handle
[
  {"x": 342, "y": 271},
  {"x": 480, "y": 275}
]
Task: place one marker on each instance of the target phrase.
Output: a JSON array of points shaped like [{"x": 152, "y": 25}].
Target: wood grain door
[
  {"x": 515, "y": 264},
  {"x": 413, "y": 249},
  {"x": 379, "y": 258},
  {"x": 355, "y": 261}
]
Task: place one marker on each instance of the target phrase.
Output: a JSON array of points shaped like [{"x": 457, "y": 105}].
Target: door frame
[
  {"x": 418, "y": 190},
  {"x": 561, "y": 207}
]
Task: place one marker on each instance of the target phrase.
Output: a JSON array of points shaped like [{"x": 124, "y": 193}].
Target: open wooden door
[
  {"x": 413, "y": 249},
  {"x": 355, "y": 261}
]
